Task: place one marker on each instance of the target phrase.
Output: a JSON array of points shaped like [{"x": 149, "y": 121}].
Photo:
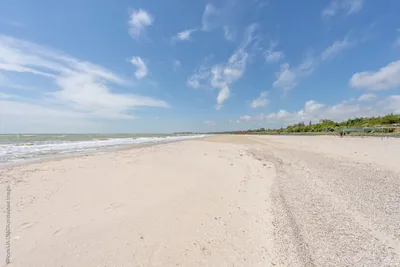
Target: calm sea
[{"x": 24, "y": 147}]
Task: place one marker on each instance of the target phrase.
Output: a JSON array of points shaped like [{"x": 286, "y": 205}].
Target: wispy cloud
[
  {"x": 78, "y": 86},
  {"x": 229, "y": 33},
  {"x": 387, "y": 77},
  {"x": 367, "y": 97},
  {"x": 141, "y": 68},
  {"x": 223, "y": 17},
  {"x": 184, "y": 35},
  {"x": 220, "y": 18},
  {"x": 177, "y": 65},
  {"x": 274, "y": 56},
  {"x": 222, "y": 76},
  {"x": 5, "y": 96},
  {"x": 260, "y": 4},
  {"x": 199, "y": 78},
  {"x": 307, "y": 66},
  {"x": 7, "y": 83},
  {"x": 271, "y": 55},
  {"x": 260, "y": 101},
  {"x": 212, "y": 18},
  {"x": 286, "y": 78},
  {"x": 336, "y": 48},
  {"x": 209, "y": 123},
  {"x": 138, "y": 21},
  {"x": 13, "y": 23},
  {"x": 342, "y": 6},
  {"x": 25, "y": 117},
  {"x": 244, "y": 118},
  {"x": 397, "y": 41}
]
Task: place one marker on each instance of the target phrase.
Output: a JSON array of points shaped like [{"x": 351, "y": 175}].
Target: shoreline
[
  {"x": 78, "y": 154},
  {"x": 106, "y": 150}
]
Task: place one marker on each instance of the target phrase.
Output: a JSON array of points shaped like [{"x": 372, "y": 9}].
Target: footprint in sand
[
  {"x": 113, "y": 206},
  {"x": 27, "y": 225},
  {"x": 59, "y": 231}
]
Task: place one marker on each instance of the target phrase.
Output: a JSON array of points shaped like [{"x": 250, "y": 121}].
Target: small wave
[
  {"x": 10, "y": 152},
  {"x": 25, "y": 144}
]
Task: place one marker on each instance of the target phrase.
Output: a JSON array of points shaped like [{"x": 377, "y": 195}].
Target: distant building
[{"x": 324, "y": 121}]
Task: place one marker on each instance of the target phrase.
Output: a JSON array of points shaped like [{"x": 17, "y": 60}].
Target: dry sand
[{"x": 220, "y": 201}]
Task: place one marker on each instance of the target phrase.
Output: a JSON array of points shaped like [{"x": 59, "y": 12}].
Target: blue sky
[{"x": 164, "y": 66}]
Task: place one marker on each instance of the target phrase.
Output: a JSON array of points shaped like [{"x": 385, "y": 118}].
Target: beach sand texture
[{"x": 219, "y": 201}]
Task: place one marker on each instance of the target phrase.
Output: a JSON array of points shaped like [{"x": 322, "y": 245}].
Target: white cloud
[
  {"x": 84, "y": 92},
  {"x": 367, "y": 97},
  {"x": 184, "y": 35},
  {"x": 20, "y": 117},
  {"x": 177, "y": 65},
  {"x": 245, "y": 118},
  {"x": 260, "y": 101},
  {"x": 4, "y": 96},
  {"x": 141, "y": 68},
  {"x": 7, "y": 83},
  {"x": 198, "y": 78},
  {"x": 307, "y": 66},
  {"x": 209, "y": 123},
  {"x": 223, "y": 95},
  {"x": 311, "y": 107},
  {"x": 274, "y": 56},
  {"x": 346, "y": 6},
  {"x": 78, "y": 86},
  {"x": 285, "y": 79},
  {"x": 336, "y": 48},
  {"x": 229, "y": 33},
  {"x": 138, "y": 21},
  {"x": 222, "y": 76},
  {"x": 387, "y": 77},
  {"x": 212, "y": 18},
  {"x": 288, "y": 78},
  {"x": 20, "y": 109},
  {"x": 314, "y": 111},
  {"x": 271, "y": 55},
  {"x": 391, "y": 104},
  {"x": 227, "y": 17}
]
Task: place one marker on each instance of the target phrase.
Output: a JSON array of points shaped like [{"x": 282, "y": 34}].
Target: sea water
[{"x": 25, "y": 147}]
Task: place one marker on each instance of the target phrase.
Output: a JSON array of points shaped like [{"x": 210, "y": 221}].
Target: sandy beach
[{"x": 218, "y": 201}]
